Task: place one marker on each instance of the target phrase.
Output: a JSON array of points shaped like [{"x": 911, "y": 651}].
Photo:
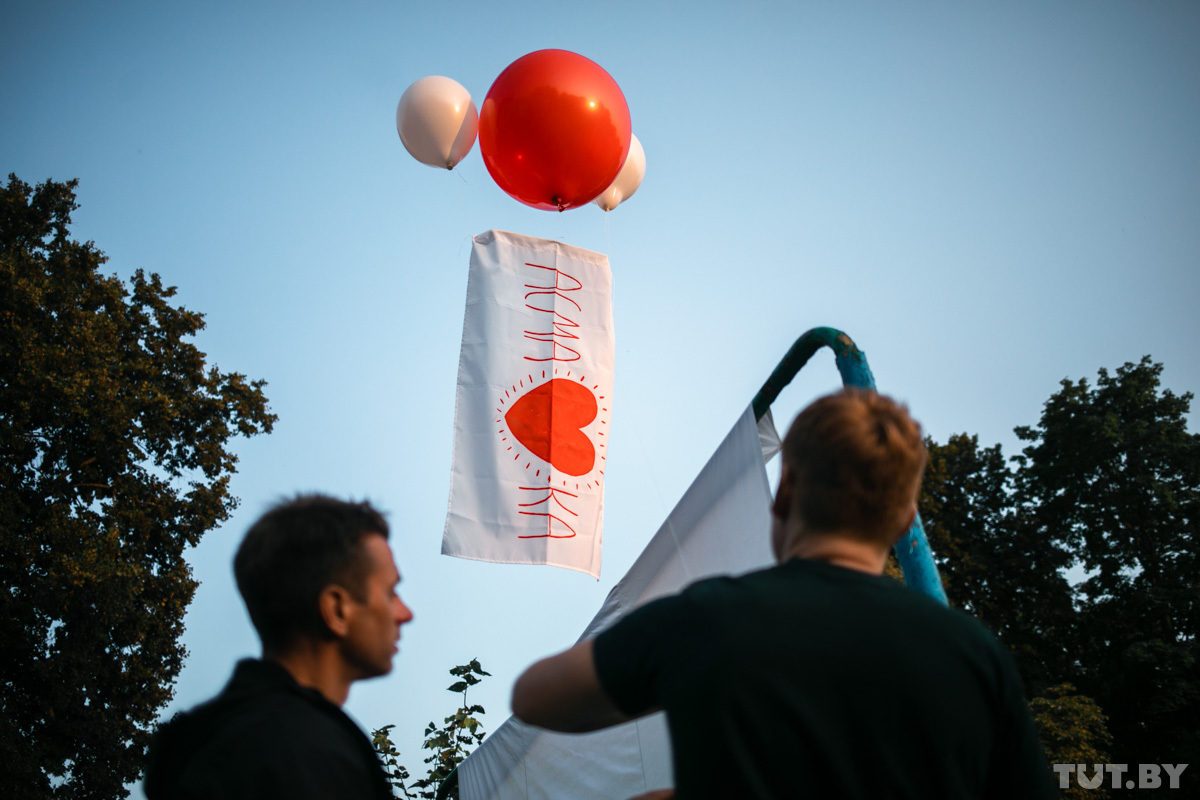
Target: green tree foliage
[
  {"x": 994, "y": 565},
  {"x": 449, "y": 744},
  {"x": 113, "y": 459},
  {"x": 1112, "y": 474},
  {"x": 1071, "y": 727},
  {"x": 1109, "y": 481}
]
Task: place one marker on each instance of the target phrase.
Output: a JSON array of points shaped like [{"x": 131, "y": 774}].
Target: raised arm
[{"x": 563, "y": 693}]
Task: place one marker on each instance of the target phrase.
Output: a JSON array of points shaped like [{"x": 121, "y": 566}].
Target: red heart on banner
[{"x": 548, "y": 421}]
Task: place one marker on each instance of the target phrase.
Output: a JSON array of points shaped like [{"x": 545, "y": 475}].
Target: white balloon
[
  {"x": 437, "y": 121},
  {"x": 628, "y": 179}
]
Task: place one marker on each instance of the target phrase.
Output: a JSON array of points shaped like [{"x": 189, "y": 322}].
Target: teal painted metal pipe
[{"x": 912, "y": 551}]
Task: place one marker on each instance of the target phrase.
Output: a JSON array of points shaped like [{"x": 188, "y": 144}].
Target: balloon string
[{"x": 463, "y": 204}]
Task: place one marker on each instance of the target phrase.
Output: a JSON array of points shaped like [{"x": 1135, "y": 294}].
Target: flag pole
[{"x": 912, "y": 551}]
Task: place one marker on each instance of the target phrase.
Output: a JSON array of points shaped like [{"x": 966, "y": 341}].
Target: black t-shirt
[
  {"x": 810, "y": 680},
  {"x": 265, "y": 736}
]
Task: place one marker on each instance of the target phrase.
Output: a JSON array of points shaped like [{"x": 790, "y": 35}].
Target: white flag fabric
[
  {"x": 534, "y": 399},
  {"x": 721, "y": 526}
]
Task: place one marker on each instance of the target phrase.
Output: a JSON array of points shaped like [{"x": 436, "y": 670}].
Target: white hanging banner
[
  {"x": 532, "y": 410},
  {"x": 720, "y": 526}
]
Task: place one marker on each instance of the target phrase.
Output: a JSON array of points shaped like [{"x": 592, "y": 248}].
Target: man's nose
[{"x": 403, "y": 613}]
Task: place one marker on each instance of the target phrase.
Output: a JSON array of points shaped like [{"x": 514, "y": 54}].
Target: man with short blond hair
[
  {"x": 818, "y": 677},
  {"x": 855, "y": 461}
]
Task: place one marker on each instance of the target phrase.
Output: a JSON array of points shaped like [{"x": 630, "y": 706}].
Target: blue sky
[{"x": 987, "y": 197}]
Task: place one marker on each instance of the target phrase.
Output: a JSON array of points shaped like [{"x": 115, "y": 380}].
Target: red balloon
[{"x": 554, "y": 130}]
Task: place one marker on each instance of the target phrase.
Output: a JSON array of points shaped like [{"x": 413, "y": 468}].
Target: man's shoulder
[
  {"x": 794, "y": 580},
  {"x": 251, "y": 728},
  {"x": 264, "y": 704},
  {"x": 804, "y": 585}
]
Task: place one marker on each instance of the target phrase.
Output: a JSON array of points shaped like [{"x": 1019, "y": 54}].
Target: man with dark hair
[
  {"x": 319, "y": 582},
  {"x": 819, "y": 677}
]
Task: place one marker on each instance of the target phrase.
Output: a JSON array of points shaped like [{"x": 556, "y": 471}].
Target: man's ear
[
  {"x": 782, "y": 506},
  {"x": 334, "y": 605},
  {"x": 912, "y": 517}
]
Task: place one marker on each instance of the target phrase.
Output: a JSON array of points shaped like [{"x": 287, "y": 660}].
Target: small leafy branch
[
  {"x": 396, "y": 773},
  {"x": 449, "y": 744}
]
